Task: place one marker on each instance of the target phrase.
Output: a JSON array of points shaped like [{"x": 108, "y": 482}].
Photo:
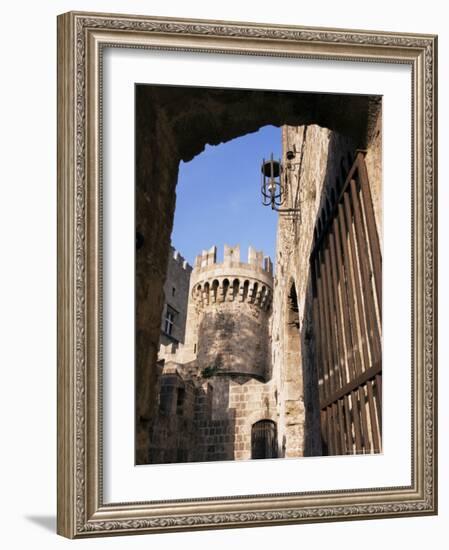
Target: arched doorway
[{"x": 264, "y": 439}]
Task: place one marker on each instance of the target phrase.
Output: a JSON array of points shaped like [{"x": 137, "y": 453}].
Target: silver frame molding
[{"x": 81, "y": 37}]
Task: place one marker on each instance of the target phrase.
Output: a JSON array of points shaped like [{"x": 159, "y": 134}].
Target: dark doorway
[{"x": 264, "y": 439}]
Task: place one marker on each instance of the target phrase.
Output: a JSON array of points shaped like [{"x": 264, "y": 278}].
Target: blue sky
[{"x": 218, "y": 197}]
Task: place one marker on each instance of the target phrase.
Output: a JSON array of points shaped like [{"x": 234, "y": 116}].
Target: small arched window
[
  {"x": 215, "y": 285},
  {"x": 235, "y": 288},
  {"x": 225, "y": 288},
  {"x": 207, "y": 292},
  {"x": 245, "y": 289}
]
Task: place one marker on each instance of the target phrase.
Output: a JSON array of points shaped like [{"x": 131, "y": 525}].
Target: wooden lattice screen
[{"x": 346, "y": 266}]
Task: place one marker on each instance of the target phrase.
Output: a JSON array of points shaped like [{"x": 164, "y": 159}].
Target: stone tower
[
  {"x": 217, "y": 397},
  {"x": 229, "y": 313}
]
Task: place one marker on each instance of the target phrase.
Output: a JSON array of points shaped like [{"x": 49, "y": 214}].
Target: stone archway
[{"x": 174, "y": 124}]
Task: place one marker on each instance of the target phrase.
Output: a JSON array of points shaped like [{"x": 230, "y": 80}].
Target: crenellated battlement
[
  {"x": 176, "y": 256},
  {"x": 207, "y": 260},
  {"x": 232, "y": 280},
  {"x": 220, "y": 290}
]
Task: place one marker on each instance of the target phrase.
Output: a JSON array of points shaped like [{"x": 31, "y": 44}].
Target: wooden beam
[{"x": 352, "y": 385}]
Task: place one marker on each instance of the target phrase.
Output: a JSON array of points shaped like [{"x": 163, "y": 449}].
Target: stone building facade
[
  {"x": 326, "y": 322},
  {"x": 174, "y": 315},
  {"x": 288, "y": 365}
]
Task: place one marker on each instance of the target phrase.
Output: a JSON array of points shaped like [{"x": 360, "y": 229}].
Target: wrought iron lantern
[{"x": 273, "y": 190}]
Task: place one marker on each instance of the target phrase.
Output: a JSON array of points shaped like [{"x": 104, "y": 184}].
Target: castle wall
[
  {"x": 174, "y": 434},
  {"x": 321, "y": 162},
  {"x": 237, "y": 404},
  {"x": 294, "y": 239},
  {"x": 212, "y": 420},
  {"x": 225, "y": 341},
  {"x": 176, "y": 296},
  {"x": 252, "y": 401}
]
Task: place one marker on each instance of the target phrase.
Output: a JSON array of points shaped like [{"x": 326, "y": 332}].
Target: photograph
[
  {"x": 258, "y": 274},
  {"x": 247, "y": 243}
]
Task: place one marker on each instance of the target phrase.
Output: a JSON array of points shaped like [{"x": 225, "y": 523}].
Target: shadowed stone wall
[{"x": 310, "y": 178}]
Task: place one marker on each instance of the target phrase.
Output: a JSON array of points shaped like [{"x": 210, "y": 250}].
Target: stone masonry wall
[
  {"x": 209, "y": 419},
  {"x": 228, "y": 318},
  {"x": 312, "y": 174},
  {"x": 226, "y": 342},
  {"x": 319, "y": 167},
  {"x": 174, "y": 435},
  {"x": 373, "y": 162},
  {"x": 176, "y": 294}
]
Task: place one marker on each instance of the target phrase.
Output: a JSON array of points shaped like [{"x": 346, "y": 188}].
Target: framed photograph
[{"x": 247, "y": 311}]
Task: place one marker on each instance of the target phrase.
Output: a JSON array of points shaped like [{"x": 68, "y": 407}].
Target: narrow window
[{"x": 170, "y": 318}]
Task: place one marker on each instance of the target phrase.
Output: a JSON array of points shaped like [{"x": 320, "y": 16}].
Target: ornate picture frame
[{"x": 82, "y": 40}]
